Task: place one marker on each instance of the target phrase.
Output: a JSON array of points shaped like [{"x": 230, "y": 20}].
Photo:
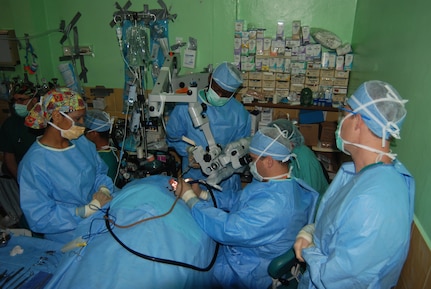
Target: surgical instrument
[
  {"x": 10, "y": 277},
  {"x": 2, "y": 275}
]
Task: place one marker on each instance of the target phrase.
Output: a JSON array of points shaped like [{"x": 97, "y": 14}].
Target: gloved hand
[
  {"x": 185, "y": 191},
  {"x": 202, "y": 194},
  {"x": 304, "y": 239},
  {"x": 192, "y": 162},
  {"x": 100, "y": 198}
]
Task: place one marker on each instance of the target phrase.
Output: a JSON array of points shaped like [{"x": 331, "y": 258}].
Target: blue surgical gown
[
  {"x": 362, "y": 229},
  {"x": 262, "y": 223},
  {"x": 54, "y": 182},
  {"x": 103, "y": 263},
  {"x": 228, "y": 123}
]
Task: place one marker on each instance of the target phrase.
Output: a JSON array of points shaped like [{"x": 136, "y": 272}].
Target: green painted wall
[
  {"x": 391, "y": 43},
  {"x": 328, "y": 14},
  {"x": 211, "y": 22}
]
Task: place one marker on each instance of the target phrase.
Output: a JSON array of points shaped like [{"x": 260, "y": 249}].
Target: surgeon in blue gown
[
  {"x": 361, "y": 235},
  {"x": 258, "y": 223},
  {"x": 62, "y": 178},
  {"x": 166, "y": 234},
  {"x": 228, "y": 120}
]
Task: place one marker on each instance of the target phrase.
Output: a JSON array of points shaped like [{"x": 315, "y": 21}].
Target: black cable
[{"x": 161, "y": 260}]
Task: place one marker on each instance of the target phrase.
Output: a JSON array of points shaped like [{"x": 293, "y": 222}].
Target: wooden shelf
[
  {"x": 289, "y": 106},
  {"x": 319, "y": 148}
]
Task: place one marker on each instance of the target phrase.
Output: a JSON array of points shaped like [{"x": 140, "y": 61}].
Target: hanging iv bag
[{"x": 137, "y": 46}]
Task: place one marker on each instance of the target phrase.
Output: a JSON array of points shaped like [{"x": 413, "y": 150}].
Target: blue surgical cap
[
  {"x": 97, "y": 120},
  {"x": 227, "y": 77},
  {"x": 270, "y": 141},
  {"x": 382, "y": 107}
]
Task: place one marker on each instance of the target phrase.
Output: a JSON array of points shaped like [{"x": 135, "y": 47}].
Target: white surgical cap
[
  {"x": 382, "y": 107},
  {"x": 227, "y": 77},
  {"x": 270, "y": 141}
]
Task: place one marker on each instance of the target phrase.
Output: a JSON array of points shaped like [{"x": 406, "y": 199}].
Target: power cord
[{"x": 108, "y": 222}]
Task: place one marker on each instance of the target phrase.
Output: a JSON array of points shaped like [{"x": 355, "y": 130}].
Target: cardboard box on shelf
[
  {"x": 268, "y": 76},
  {"x": 282, "y": 76},
  {"x": 252, "y": 75},
  {"x": 313, "y": 73},
  {"x": 327, "y": 134},
  {"x": 341, "y": 74},
  {"x": 282, "y": 84},
  {"x": 310, "y": 132},
  {"x": 341, "y": 82},
  {"x": 327, "y": 73}
]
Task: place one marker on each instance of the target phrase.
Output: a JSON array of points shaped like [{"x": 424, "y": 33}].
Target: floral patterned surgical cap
[{"x": 61, "y": 99}]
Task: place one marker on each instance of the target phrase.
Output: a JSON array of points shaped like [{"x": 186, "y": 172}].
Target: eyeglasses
[{"x": 353, "y": 112}]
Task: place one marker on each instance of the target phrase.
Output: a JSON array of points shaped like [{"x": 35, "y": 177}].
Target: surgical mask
[
  {"x": 214, "y": 99},
  {"x": 254, "y": 172},
  {"x": 338, "y": 139},
  {"x": 252, "y": 165},
  {"x": 21, "y": 109},
  {"x": 259, "y": 177},
  {"x": 73, "y": 132},
  {"x": 340, "y": 142}
]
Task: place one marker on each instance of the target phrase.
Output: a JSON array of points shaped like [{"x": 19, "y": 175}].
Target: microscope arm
[{"x": 201, "y": 122}]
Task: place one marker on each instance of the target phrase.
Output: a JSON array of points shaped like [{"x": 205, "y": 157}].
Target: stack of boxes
[{"x": 282, "y": 66}]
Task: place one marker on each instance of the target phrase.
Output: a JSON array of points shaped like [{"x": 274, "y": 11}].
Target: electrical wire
[
  {"x": 109, "y": 222},
  {"x": 146, "y": 219}
]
